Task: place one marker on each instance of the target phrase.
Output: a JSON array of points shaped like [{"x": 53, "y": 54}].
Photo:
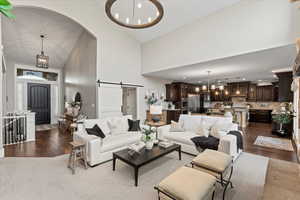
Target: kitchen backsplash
[{"x": 255, "y": 105}]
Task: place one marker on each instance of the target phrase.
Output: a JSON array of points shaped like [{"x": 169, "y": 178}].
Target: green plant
[
  {"x": 151, "y": 100},
  {"x": 5, "y": 8},
  {"x": 283, "y": 118},
  {"x": 148, "y": 134}
]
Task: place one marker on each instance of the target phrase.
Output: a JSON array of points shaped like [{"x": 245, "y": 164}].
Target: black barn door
[{"x": 39, "y": 102}]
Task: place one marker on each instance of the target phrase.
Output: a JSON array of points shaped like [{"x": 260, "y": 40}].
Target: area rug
[
  {"x": 276, "y": 143},
  {"x": 45, "y": 127},
  {"x": 49, "y": 178}
]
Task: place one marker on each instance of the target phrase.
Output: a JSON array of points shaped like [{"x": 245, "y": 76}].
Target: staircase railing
[{"x": 14, "y": 129}]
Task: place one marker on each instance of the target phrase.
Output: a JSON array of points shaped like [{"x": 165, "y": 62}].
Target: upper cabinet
[
  {"x": 172, "y": 92},
  {"x": 252, "y": 92},
  {"x": 177, "y": 92},
  {"x": 284, "y": 86},
  {"x": 242, "y": 87}
]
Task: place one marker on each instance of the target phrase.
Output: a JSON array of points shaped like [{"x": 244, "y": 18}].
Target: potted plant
[
  {"x": 5, "y": 8},
  {"x": 148, "y": 137},
  {"x": 282, "y": 118}
]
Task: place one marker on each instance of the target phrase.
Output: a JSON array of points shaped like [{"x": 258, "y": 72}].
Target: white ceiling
[
  {"x": 253, "y": 67},
  {"x": 21, "y": 37},
  {"x": 177, "y": 14}
]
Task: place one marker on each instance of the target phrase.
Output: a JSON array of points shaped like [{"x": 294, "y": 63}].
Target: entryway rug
[
  {"x": 50, "y": 179},
  {"x": 45, "y": 127},
  {"x": 276, "y": 143}
]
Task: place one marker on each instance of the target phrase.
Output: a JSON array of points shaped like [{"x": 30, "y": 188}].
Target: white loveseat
[
  {"x": 100, "y": 150},
  {"x": 190, "y": 124}
]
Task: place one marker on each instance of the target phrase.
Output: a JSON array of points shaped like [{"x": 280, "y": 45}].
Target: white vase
[{"x": 149, "y": 145}]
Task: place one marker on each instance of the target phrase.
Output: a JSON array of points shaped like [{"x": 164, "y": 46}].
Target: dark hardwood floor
[
  {"x": 54, "y": 142},
  {"x": 263, "y": 129},
  {"x": 48, "y": 143}
]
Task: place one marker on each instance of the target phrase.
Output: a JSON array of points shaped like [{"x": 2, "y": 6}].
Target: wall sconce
[
  {"x": 197, "y": 89},
  {"x": 204, "y": 87},
  {"x": 226, "y": 92},
  {"x": 213, "y": 87}
]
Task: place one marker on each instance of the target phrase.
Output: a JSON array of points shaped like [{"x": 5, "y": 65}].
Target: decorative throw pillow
[
  {"x": 95, "y": 131},
  {"x": 176, "y": 127},
  {"x": 203, "y": 130},
  {"x": 115, "y": 126},
  {"x": 134, "y": 125},
  {"x": 217, "y": 132}
]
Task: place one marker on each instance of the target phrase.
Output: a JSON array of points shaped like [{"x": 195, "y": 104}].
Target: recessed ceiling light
[
  {"x": 139, "y": 5},
  {"x": 117, "y": 15},
  {"x": 259, "y": 80},
  {"x": 199, "y": 81},
  {"x": 127, "y": 20},
  {"x": 244, "y": 79}
]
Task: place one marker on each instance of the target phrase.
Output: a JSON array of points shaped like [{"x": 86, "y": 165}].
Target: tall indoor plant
[
  {"x": 6, "y": 8},
  {"x": 281, "y": 119}
]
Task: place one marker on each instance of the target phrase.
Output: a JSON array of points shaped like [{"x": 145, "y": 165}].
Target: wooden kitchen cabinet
[
  {"x": 264, "y": 93},
  {"x": 259, "y": 93},
  {"x": 263, "y": 116},
  {"x": 172, "y": 93},
  {"x": 268, "y": 93},
  {"x": 241, "y": 86},
  {"x": 252, "y": 92},
  {"x": 173, "y": 115}
]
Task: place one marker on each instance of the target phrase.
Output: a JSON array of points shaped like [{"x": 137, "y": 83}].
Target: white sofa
[
  {"x": 190, "y": 124},
  {"x": 100, "y": 150}
]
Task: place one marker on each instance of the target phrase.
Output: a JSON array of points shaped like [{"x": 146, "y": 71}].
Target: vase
[{"x": 149, "y": 145}]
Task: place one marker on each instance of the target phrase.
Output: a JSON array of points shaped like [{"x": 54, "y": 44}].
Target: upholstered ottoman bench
[
  {"x": 187, "y": 184},
  {"x": 217, "y": 164}
]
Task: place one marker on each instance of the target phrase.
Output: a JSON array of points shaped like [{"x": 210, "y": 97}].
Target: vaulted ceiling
[
  {"x": 21, "y": 37},
  {"x": 177, "y": 14}
]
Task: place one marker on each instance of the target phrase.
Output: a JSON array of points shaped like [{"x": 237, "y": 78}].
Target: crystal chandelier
[
  {"x": 135, "y": 14},
  {"x": 42, "y": 61}
]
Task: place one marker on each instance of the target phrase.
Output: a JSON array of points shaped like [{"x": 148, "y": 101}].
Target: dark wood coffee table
[{"x": 145, "y": 157}]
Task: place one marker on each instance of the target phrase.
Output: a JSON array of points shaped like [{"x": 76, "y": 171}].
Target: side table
[{"x": 78, "y": 153}]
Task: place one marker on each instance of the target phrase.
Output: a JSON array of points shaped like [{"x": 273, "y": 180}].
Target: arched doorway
[{"x": 73, "y": 66}]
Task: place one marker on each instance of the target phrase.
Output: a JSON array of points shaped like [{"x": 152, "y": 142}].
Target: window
[{"x": 36, "y": 75}]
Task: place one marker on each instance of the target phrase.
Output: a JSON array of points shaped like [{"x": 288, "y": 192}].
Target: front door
[{"x": 39, "y": 102}]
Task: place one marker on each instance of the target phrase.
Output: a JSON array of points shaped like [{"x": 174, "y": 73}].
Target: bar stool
[{"x": 78, "y": 153}]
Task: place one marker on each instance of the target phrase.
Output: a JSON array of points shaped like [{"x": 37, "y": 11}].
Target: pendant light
[
  {"x": 238, "y": 92},
  {"x": 42, "y": 61}
]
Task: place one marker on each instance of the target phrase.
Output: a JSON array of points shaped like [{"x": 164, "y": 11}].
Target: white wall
[
  {"x": 9, "y": 86},
  {"x": 248, "y": 26},
  {"x": 118, "y": 54},
  {"x": 80, "y": 74},
  {"x": 1, "y": 142}
]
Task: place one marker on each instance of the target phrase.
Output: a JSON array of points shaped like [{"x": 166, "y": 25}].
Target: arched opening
[{"x": 72, "y": 51}]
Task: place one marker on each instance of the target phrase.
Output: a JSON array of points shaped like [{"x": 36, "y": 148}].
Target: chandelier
[
  {"x": 135, "y": 14},
  {"x": 42, "y": 61}
]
